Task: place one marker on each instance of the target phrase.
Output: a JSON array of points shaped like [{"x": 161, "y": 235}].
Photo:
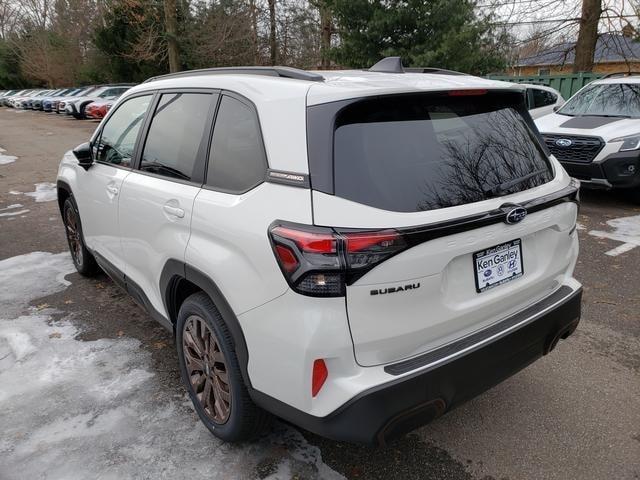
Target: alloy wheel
[
  {"x": 73, "y": 235},
  {"x": 207, "y": 369}
]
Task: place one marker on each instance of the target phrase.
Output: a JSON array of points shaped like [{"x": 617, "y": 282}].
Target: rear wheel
[
  {"x": 211, "y": 372},
  {"x": 82, "y": 258}
]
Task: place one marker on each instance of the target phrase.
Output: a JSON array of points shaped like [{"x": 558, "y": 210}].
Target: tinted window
[
  {"x": 174, "y": 137},
  {"x": 237, "y": 161},
  {"x": 113, "y": 92},
  {"x": 118, "y": 137},
  {"x": 542, "y": 98},
  {"x": 613, "y": 99},
  {"x": 422, "y": 152}
]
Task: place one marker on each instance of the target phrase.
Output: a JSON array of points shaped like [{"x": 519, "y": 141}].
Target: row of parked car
[{"x": 80, "y": 102}]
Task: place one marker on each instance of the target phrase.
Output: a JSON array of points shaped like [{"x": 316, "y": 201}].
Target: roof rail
[
  {"x": 394, "y": 65},
  {"x": 619, "y": 74},
  {"x": 441, "y": 71},
  {"x": 283, "y": 72}
]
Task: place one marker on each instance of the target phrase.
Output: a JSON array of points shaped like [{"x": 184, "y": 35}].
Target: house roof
[{"x": 610, "y": 47}]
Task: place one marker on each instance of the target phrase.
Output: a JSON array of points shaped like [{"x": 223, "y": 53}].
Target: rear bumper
[{"x": 407, "y": 402}]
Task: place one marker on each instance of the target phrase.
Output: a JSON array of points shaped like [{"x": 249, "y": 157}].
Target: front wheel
[
  {"x": 211, "y": 372},
  {"x": 82, "y": 258}
]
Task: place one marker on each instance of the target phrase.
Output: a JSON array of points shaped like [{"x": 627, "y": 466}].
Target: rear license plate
[{"x": 497, "y": 265}]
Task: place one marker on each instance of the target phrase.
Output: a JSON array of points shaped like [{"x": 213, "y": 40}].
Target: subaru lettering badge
[
  {"x": 515, "y": 215},
  {"x": 564, "y": 142}
]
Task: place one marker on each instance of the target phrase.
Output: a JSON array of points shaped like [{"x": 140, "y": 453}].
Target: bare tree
[
  {"x": 253, "y": 11},
  {"x": 35, "y": 13},
  {"x": 9, "y": 18},
  {"x": 171, "y": 28},
  {"x": 587, "y": 36},
  {"x": 326, "y": 30},
  {"x": 273, "y": 46}
]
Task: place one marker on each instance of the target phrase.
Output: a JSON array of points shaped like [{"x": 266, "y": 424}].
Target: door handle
[
  {"x": 175, "y": 211},
  {"x": 112, "y": 190}
]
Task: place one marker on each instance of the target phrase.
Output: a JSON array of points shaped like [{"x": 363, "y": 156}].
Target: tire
[
  {"x": 226, "y": 409},
  {"x": 82, "y": 258}
]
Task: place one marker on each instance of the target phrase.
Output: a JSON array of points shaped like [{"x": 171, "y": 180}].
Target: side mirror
[
  {"x": 84, "y": 155},
  {"x": 556, "y": 108}
]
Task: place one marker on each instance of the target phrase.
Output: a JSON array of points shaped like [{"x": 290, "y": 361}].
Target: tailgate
[{"x": 429, "y": 295}]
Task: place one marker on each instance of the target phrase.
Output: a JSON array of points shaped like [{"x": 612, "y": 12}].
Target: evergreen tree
[{"x": 435, "y": 33}]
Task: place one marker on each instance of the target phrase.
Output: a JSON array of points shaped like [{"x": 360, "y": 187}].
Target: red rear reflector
[
  {"x": 361, "y": 241},
  {"x": 465, "y": 93},
  {"x": 308, "y": 241},
  {"x": 320, "y": 374},
  {"x": 287, "y": 258}
]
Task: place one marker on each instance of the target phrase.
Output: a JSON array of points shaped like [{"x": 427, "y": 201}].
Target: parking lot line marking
[
  {"x": 627, "y": 231},
  {"x": 625, "y": 247}
]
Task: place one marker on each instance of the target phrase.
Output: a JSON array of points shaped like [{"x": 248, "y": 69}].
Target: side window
[
  {"x": 542, "y": 98},
  {"x": 175, "y": 134},
  {"x": 237, "y": 160},
  {"x": 118, "y": 138}
]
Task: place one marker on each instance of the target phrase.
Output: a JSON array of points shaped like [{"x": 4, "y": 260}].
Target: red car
[{"x": 98, "y": 110}]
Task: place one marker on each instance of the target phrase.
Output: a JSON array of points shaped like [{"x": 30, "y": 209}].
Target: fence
[{"x": 567, "y": 85}]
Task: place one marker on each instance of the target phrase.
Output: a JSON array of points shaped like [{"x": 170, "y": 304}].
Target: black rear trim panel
[{"x": 439, "y": 354}]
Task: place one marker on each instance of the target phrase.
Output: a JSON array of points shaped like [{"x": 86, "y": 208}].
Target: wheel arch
[
  {"x": 64, "y": 192},
  {"x": 178, "y": 280}
]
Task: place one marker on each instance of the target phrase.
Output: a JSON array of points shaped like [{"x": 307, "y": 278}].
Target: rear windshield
[{"x": 412, "y": 153}]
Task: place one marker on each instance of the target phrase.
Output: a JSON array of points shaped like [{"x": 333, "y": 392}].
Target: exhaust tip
[{"x": 562, "y": 334}]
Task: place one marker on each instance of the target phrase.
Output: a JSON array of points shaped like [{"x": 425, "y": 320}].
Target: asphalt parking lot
[{"x": 90, "y": 388}]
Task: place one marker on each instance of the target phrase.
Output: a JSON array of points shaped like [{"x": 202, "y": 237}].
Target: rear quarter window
[{"x": 419, "y": 152}]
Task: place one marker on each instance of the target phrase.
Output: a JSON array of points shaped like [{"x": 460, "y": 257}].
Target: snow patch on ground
[
  {"x": 13, "y": 214},
  {"x": 72, "y": 409},
  {"x": 10, "y": 210},
  {"x": 6, "y": 159},
  {"x": 45, "y": 192},
  {"x": 14, "y": 192},
  {"x": 626, "y": 230}
]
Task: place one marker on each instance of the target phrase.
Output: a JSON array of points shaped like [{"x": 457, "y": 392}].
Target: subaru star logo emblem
[
  {"x": 563, "y": 142},
  {"x": 515, "y": 215}
]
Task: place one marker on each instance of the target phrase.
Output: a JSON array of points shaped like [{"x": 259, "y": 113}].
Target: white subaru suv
[
  {"x": 356, "y": 252},
  {"x": 596, "y": 134}
]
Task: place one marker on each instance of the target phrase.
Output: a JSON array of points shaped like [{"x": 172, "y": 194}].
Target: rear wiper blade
[{"x": 504, "y": 186}]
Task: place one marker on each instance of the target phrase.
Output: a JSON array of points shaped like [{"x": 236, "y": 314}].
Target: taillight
[
  {"x": 320, "y": 262},
  {"x": 365, "y": 250},
  {"x": 309, "y": 259}
]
